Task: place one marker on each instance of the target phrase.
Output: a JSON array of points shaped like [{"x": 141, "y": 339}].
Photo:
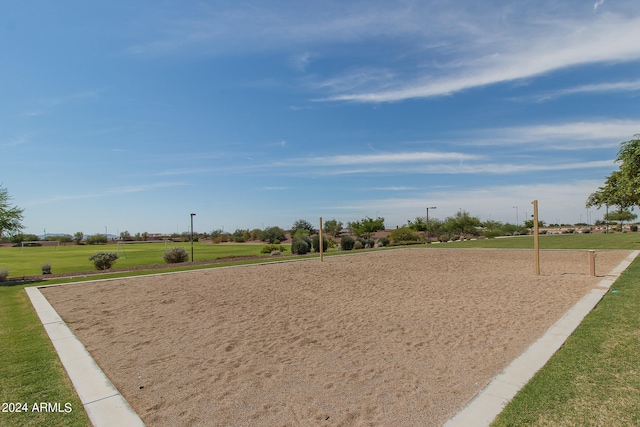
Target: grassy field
[
  {"x": 558, "y": 241},
  {"x": 30, "y": 371},
  {"x": 592, "y": 380},
  {"x": 67, "y": 259}
]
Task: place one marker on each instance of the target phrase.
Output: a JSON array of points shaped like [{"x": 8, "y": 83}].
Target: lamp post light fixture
[
  {"x": 192, "y": 215},
  {"x": 517, "y": 219},
  {"x": 427, "y": 224}
]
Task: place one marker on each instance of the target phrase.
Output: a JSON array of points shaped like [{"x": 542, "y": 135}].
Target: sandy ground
[{"x": 401, "y": 338}]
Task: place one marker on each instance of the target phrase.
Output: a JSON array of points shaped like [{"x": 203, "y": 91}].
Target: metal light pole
[
  {"x": 192, "y": 215},
  {"x": 427, "y": 225},
  {"x": 517, "y": 219}
]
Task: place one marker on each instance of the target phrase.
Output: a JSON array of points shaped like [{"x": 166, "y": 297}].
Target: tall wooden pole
[
  {"x": 320, "y": 242},
  {"x": 536, "y": 243}
]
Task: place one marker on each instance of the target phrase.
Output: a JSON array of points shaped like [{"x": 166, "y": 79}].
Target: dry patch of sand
[{"x": 400, "y": 338}]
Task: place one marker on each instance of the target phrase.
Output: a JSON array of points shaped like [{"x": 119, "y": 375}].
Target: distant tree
[
  {"x": 255, "y": 234},
  {"x": 621, "y": 216},
  {"x": 64, "y": 238},
  {"x": 529, "y": 223},
  {"x": 366, "y": 226},
  {"x": 97, "y": 239},
  {"x": 19, "y": 237},
  {"x": 463, "y": 223},
  {"x": 77, "y": 237},
  {"x": 622, "y": 187},
  {"x": 420, "y": 224},
  {"x": 302, "y": 224},
  {"x": 240, "y": 236},
  {"x": 271, "y": 234},
  {"x": 332, "y": 227},
  {"x": 10, "y": 216},
  {"x": 125, "y": 235}
]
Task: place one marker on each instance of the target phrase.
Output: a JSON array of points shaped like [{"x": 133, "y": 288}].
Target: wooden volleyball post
[
  {"x": 536, "y": 244},
  {"x": 320, "y": 240},
  {"x": 592, "y": 263}
]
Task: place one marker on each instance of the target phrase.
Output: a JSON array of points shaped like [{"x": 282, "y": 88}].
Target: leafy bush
[
  {"x": 271, "y": 234},
  {"x": 270, "y": 248},
  {"x": 347, "y": 242},
  {"x": 46, "y": 268},
  {"x": 316, "y": 244},
  {"x": 383, "y": 241},
  {"x": 299, "y": 246},
  {"x": 97, "y": 239},
  {"x": 4, "y": 274},
  {"x": 302, "y": 224},
  {"x": 404, "y": 234},
  {"x": 358, "y": 244},
  {"x": 240, "y": 236},
  {"x": 103, "y": 260},
  {"x": 175, "y": 255}
]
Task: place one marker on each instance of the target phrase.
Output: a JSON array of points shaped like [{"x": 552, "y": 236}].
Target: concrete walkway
[
  {"x": 103, "y": 403},
  {"x": 489, "y": 402}
]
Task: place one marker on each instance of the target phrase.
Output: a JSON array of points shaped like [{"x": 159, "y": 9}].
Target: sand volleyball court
[{"x": 404, "y": 337}]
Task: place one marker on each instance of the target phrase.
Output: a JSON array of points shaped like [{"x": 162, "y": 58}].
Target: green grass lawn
[
  {"x": 593, "y": 380},
  {"x": 67, "y": 259},
  {"x": 558, "y": 241},
  {"x": 30, "y": 371}
]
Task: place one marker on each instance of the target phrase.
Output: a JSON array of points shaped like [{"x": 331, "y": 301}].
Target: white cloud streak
[
  {"x": 563, "y": 136},
  {"x": 386, "y": 158},
  {"x": 105, "y": 193},
  {"x": 628, "y": 86}
]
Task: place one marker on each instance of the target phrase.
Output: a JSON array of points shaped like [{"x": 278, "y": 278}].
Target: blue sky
[{"x": 132, "y": 115}]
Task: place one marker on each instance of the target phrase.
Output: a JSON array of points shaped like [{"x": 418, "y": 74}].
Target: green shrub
[
  {"x": 175, "y": 255},
  {"x": 404, "y": 234},
  {"x": 271, "y": 234},
  {"x": 383, "y": 241},
  {"x": 358, "y": 244},
  {"x": 4, "y": 275},
  {"x": 46, "y": 268},
  {"x": 347, "y": 242},
  {"x": 634, "y": 228},
  {"x": 299, "y": 246},
  {"x": 316, "y": 244},
  {"x": 103, "y": 260},
  {"x": 267, "y": 249},
  {"x": 97, "y": 239}
]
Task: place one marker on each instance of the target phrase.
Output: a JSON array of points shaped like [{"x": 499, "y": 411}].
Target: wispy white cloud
[
  {"x": 478, "y": 168},
  {"x": 391, "y": 188},
  {"x": 104, "y": 193},
  {"x": 562, "y": 44},
  {"x": 597, "y": 4},
  {"x": 386, "y": 158},
  {"x": 20, "y": 140},
  {"x": 628, "y": 86},
  {"x": 564, "y": 136}
]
